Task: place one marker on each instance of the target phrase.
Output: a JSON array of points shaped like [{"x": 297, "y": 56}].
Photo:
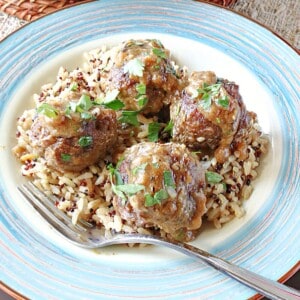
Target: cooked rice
[{"x": 88, "y": 195}]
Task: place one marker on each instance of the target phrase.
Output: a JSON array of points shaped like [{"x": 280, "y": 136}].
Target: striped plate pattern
[{"x": 37, "y": 263}]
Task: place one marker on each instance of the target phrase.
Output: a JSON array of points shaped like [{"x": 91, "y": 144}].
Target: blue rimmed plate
[{"x": 39, "y": 264}]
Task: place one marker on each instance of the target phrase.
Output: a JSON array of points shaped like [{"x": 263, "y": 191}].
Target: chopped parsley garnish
[
  {"x": 65, "y": 157},
  {"x": 85, "y": 141},
  {"x": 159, "y": 52},
  {"x": 130, "y": 188},
  {"x": 142, "y": 167},
  {"x": 114, "y": 172},
  {"x": 74, "y": 87},
  {"x": 47, "y": 110},
  {"x": 111, "y": 101},
  {"x": 115, "y": 104},
  {"x": 118, "y": 192},
  {"x": 86, "y": 115},
  {"x": 141, "y": 97},
  {"x": 155, "y": 165},
  {"x": 134, "y": 67},
  {"x": 121, "y": 189},
  {"x": 141, "y": 88},
  {"x": 206, "y": 101},
  {"x": 213, "y": 177},
  {"x": 153, "y": 131},
  {"x": 142, "y": 100},
  {"x": 150, "y": 201},
  {"x": 129, "y": 117},
  {"x": 206, "y": 93},
  {"x": 224, "y": 102},
  {"x": 111, "y": 95},
  {"x": 169, "y": 127},
  {"x": 84, "y": 103},
  {"x": 82, "y": 107},
  {"x": 161, "y": 195},
  {"x": 157, "y": 198},
  {"x": 168, "y": 179}
]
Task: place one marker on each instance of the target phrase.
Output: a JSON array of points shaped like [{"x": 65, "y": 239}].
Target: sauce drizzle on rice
[{"x": 132, "y": 142}]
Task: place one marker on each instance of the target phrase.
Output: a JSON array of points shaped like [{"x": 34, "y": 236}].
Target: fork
[{"x": 85, "y": 234}]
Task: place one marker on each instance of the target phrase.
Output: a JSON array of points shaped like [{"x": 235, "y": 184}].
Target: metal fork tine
[
  {"x": 44, "y": 212},
  {"x": 49, "y": 211},
  {"x": 50, "y": 204}
]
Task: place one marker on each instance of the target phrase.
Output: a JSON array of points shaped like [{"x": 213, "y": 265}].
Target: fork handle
[{"x": 269, "y": 288}]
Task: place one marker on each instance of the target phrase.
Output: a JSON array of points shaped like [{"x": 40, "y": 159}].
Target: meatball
[
  {"x": 144, "y": 76},
  {"x": 73, "y": 142},
  {"x": 170, "y": 181},
  {"x": 208, "y": 115}
]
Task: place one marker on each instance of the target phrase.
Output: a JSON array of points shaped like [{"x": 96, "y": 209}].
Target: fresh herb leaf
[
  {"x": 81, "y": 106},
  {"x": 47, "y": 110},
  {"x": 224, "y": 186},
  {"x": 150, "y": 201},
  {"x": 213, "y": 177},
  {"x": 206, "y": 93},
  {"x": 155, "y": 165},
  {"x": 85, "y": 141},
  {"x": 74, "y": 87},
  {"x": 118, "y": 192},
  {"x": 141, "y": 88},
  {"x": 224, "y": 102},
  {"x": 86, "y": 115},
  {"x": 161, "y": 195},
  {"x": 130, "y": 188},
  {"x": 142, "y": 167},
  {"x": 115, "y": 104},
  {"x": 111, "y": 101},
  {"x": 134, "y": 67},
  {"x": 168, "y": 179},
  {"x": 169, "y": 127},
  {"x": 84, "y": 103},
  {"x": 205, "y": 101},
  {"x": 111, "y": 169},
  {"x": 119, "y": 180},
  {"x": 114, "y": 172},
  {"x": 65, "y": 157},
  {"x": 141, "y": 97},
  {"x": 129, "y": 117},
  {"x": 212, "y": 88},
  {"x": 157, "y": 198},
  {"x": 159, "y": 53},
  {"x": 111, "y": 95},
  {"x": 153, "y": 131},
  {"x": 142, "y": 100}
]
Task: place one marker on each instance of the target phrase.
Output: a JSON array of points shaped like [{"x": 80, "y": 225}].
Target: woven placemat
[{"x": 29, "y": 10}]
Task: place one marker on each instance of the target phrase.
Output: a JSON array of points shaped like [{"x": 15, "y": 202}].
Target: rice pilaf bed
[{"x": 88, "y": 194}]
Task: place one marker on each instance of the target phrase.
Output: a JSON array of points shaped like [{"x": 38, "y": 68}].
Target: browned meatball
[
  {"x": 171, "y": 180},
  {"x": 73, "y": 143},
  {"x": 143, "y": 75},
  {"x": 208, "y": 115}
]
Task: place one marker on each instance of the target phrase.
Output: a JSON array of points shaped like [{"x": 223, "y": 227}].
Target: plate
[{"x": 39, "y": 264}]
